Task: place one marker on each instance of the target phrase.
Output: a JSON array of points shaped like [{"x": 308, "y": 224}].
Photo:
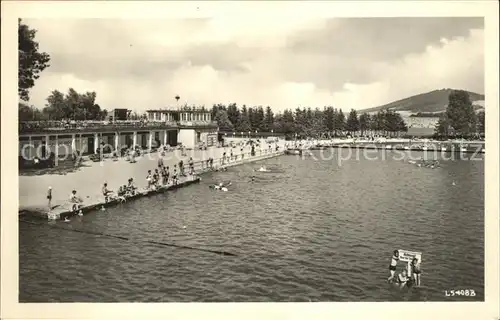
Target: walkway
[{"x": 89, "y": 179}]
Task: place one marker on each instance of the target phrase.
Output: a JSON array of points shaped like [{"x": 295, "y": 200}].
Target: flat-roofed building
[
  {"x": 195, "y": 124},
  {"x": 190, "y": 128}
]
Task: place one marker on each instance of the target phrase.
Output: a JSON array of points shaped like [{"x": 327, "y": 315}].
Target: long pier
[
  {"x": 64, "y": 210},
  {"x": 443, "y": 147}
]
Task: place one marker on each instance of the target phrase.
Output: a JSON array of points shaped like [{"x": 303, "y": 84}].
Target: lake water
[{"x": 308, "y": 230}]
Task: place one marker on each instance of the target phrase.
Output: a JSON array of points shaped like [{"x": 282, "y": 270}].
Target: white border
[{"x": 10, "y": 308}]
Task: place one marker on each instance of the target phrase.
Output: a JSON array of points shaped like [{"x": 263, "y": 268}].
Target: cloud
[{"x": 349, "y": 63}]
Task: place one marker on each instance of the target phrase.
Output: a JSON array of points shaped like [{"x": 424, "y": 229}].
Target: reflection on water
[{"x": 306, "y": 231}]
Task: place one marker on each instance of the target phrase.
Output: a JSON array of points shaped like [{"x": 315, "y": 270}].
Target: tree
[
  {"x": 352, "y": 123},
  {"x": 233, "y": 114},
  {"x": 244, "y": 125},
  {"x": 259, "y": 119},
  {"x": 31, "y": 61},
  {"x": 481, "y": 122},
  {"x": 268, "y": 120},
  {"x": 223, "y": 120},
  {"x": 460, "y": 113},
  {"x": 329, "y": 119},
  {"x": 364, "y": 123},
  {"x": 339, "y": 121},
  {"x": 74, "y": 106},
  {"x": 442, "y": 126}
]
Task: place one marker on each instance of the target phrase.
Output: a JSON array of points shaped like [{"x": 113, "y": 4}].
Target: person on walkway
[
  {"x": 191, "y": 165},
  {"x": 131, "y": 188},
  {"x": 164, "y": 179},
  {"x": 149, "y": 179},
  {"x": 168, "y": 174},
  {"x": 181, "y": 168},
  {"x": 75, "y": 200},
  {"x": 392, "y": 266},
  {"x": 156, "y": 178},
  {"x": 49, "y": 198},
  {"x": 174, "y": 175},
  {"x": 160, "y": 162}
]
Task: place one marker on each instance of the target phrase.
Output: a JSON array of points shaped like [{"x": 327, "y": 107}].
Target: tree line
[
  {"x": 305, "y": 122},
  {"x": 460, "y": 118},
  {"x": 60, "y": 106}
]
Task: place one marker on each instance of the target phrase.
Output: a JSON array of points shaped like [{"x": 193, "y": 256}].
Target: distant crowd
[{"x": 31, "y": 126}]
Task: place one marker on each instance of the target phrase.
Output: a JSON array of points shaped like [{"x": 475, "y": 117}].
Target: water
[{"x": 306, "y": 231}]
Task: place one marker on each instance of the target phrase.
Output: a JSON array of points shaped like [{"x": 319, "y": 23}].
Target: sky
[{"x": 348, "y": 63}]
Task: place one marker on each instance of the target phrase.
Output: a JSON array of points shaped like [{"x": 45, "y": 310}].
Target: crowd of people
[
  {"x": 405, "y": 278},
  {"x": 164, "y": 175},
  {"x": 34, "y": 126}
]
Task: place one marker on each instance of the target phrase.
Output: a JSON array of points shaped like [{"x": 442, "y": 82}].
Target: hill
[{"x": 434, "y": 101}]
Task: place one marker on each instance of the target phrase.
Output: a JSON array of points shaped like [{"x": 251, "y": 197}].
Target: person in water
[
  {"x": 392, "y": 266},
  {"x": 415, "y": 271},
  {"x": 403, "y": 279}
]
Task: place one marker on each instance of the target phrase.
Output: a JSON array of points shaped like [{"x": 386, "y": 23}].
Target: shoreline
[{"x": 62, "y": 209}]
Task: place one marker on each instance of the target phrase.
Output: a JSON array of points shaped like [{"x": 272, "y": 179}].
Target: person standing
[
  {"x": 149, "y": 179},
  {"x": 392, "y": 266},
  {"x": 191, "y": 165},
  {"x": 49, "y": 198},
  {"x": 415, "y": 271},
  {"x": 75, "y": 200},
  {"x": 106, "y": 192}
]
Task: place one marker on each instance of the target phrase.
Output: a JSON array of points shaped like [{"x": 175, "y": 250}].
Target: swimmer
[
  {"x": 392, "y": 266},
  {"x": 403, "y": 279},
  {"x": 252, "y": 179},
  {"x": 453, "y": 183},
  {"x": 415, "y": 271}
]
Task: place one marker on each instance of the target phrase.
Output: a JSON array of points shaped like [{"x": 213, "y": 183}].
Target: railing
[
  {"x": 197, "y": 123},
  {"x": 202, "y": 166}
]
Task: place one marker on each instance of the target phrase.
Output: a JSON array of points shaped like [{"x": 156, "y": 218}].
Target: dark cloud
[
  {"x": 227, "y": 57},
  {"x": 351, "y": 46},
  {"x": 380, "y": 38}
]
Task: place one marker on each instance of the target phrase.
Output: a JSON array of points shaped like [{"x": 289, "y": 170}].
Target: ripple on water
[{"x": 308, "y": 231}]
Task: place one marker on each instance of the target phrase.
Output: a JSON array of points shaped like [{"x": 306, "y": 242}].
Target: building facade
[
  {"x": 38, "y": 138},
  {"x": 195, "y": 125}
]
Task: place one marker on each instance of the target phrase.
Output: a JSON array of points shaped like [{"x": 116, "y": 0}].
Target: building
[
  {"x": 37, "y": 138},
  {"x": 195, "y": 124},
  {"x": 118, "y": 114}
]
